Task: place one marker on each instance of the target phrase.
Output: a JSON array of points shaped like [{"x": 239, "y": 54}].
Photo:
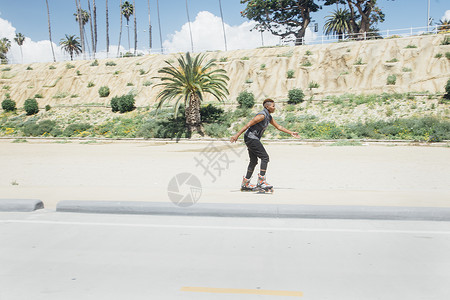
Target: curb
[
  {"x": 20, "y": 205},
  {"x": 258, "y": 210}
]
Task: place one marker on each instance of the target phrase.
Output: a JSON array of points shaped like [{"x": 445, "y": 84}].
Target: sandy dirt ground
[{"x": 301, "y": 174}]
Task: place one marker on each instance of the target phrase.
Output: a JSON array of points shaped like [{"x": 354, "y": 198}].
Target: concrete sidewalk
[{"x": 306, "y": 175}]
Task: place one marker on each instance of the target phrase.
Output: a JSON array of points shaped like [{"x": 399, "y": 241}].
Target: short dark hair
[{"x": 268, "y": 100}]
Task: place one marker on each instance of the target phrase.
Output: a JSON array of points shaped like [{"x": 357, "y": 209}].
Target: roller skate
[
  {"x": 262, "y": 185},
  {"x": 246, "y": 185}
]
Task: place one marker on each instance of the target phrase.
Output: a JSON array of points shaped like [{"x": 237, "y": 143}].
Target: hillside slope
[{"x": 332, "y": 66}]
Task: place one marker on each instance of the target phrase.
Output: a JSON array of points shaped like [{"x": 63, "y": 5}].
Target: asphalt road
[{"x": 50, "y": 255}]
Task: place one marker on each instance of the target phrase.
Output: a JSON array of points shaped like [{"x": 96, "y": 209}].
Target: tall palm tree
[
  {"x": 107, "y": 29},
  {"x": 85, "y": 17},
  {"x": 159, "y": 25},
  {"x": 223, "y": 25},
  {"x": 5, "y": 45},
  {"x": 135, "y": 28},
  {"x": 94, "y": 19},
  {"x": 120, "y": 33},
  {"x": 187, "y": 83},
  {"x": 127, "y": 10},
  {"x": 71, "y": 45},
  {"x": 189, "y": 23},
  {"x": 92, "y": 27},
  {"x": 19, "y": 39},
  {"x": 79, "y": 19},
  {"x": 338, "y": 23},
  {"x": 149, "y": 27},
  {"x": 50, "y": 31}
]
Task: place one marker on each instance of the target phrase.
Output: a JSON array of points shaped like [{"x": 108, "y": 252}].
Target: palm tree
[
  {"x": 107, "y": 30},
  {"x": 50, "y": 31},
  {"x": 189, "y": 23},
  {"x": 120, "y": 34},
  {"x": 19, "y": 39},
  {"x": 92, "y": 27},
  {"x": 159, "y": 25},
  {"x": 71, "y": 45},
  {"x": 5, "y": 45},
  {"x": 338, "y": 23},
  {"x": 135, "y": 29},
  {"x": 79, "y": 19},
  {"x": 94, "y": 19},
  {"x": 149, "y": 28},
  {"x": 127, "y": 10},
  {"x": 85, "y": 17},
  {"x": 223, "y": 26},
  {"x": 187, "y": 83},
  {"x": 443, "y": 25}
]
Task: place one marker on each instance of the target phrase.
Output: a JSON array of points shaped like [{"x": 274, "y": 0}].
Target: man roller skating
[{"x": 253, "y": 133}]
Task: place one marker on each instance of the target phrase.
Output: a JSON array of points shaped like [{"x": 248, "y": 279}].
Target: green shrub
[
  {"x": 142, "y": 71},
  {"x": 94, "y": 63},
  {"x": 216, "y": 130},
  {"x": 411, "y": 46},
  {"x": 122, "y": 104},
  {"x": 446, "y": 40},
  {"x": 262, "y": 67},
  {"x": 147, "y": 83},
  {"x": 359, "y": 62},
  {"x": 8, "y": 105},
  {"x": 48, "y": 107},
  {"x": 46, "y": 127},
  {"x": 6, "y": 69},
  {"x": 130, "y": 84},
  {"x": 391, "y": 80},
  {"x": 52, "y": 67},
  {"x": 211, "y": 114},
  {"x": 6, "y": 87},
  {"x": 69, "y": 66},
  {"x": 447, "y": 90},
  {"x": 31, "y": 107},
  {"x": 37, "y": 96},
  {"x": 447, "y": 55},
  {"x": 104, "y": 91},
  {"x": 392, "y": 60},
  {"x": 306, "y": 63},
  {"x": 290, "y": 74},
  {"x": 438, "y": 55},
  {"x": 313, "y": 85},
  {"x": 246, "y": 99},
  {"x": 245, "y": 58},
  {"x": 75, "y": 129},
  {"x": 78, "y": 73},
  {"x": 110, "y": 64},
  {"x": 29, "y": 68},
  {"x": 308, "y": 53},
  {"x": 90, "y": 84},
  {"x": 223, "y": 59},
  {"x": 406, "y": 69},
  {"x": 295, "y": 96}
]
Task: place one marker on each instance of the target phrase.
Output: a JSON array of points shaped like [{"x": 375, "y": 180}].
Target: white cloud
[
  {"x": 446, "y": 15},
  {"x": 207, "y": 34},
  {"x": 32, "y": 51}
]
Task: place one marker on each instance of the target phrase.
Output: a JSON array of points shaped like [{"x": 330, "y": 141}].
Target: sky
[{"x": 29, "y": 17}]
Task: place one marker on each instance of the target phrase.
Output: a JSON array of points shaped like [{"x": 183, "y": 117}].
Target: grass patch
[
  {"x": 347, "y": 143},
  {"x": 410, "y": 46},
  {"x": 110, "y": 64},
  {"x": 394, "y": 60},
  {"x": 20, "y": 141},
  {"x": 358, "y": 62}
]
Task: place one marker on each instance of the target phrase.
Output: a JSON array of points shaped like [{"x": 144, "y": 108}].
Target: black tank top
[{"x": 256, "y": 131}]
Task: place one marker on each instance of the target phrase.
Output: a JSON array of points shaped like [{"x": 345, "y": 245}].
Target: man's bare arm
[
  {"x": 252, "y": 122},
  {"x": 281, "y": 128}
]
